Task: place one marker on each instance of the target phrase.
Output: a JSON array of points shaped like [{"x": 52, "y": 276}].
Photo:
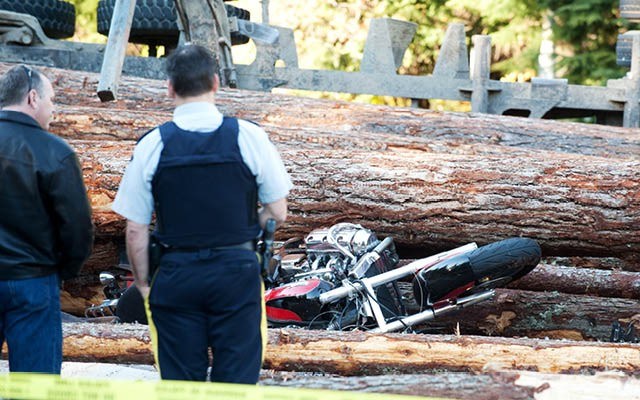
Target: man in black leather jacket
[{"x": 46, "y": 233}]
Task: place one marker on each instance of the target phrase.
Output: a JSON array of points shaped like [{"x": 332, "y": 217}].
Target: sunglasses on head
[{"x": 29, "y": 73}]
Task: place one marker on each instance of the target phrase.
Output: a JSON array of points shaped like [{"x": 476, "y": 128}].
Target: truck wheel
[
  {"x": 623, "y": 48},
  {"x": 154, "y": 22},
  {"x": 57, "y": 17},
  {"x": 630, "y": 9}
]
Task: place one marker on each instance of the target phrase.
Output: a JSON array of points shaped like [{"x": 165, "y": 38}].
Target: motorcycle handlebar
[{"x": 383, "y": 245}]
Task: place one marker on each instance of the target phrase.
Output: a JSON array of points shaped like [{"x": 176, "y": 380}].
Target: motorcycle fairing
[
  {"x": 295, "y": 302},
  {"x": 446, "y": 280}
]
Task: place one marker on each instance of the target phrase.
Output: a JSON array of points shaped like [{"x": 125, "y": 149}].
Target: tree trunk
[
  {"x": 433, "y": 180},
  {"x": 489, "y": 385},
  {"x": 454, "y": 385},
  {"x": 117, "y": 343},
  {"x": 517, "y": 313},
  {"x": 334, "y": 122},
  {"x": 574, "y": 279},
  {"x": 511, "y": 313},
  {"x": 605, "y": 263},
  {"x": 359, "y": 353},
  {"x": 592, "y": 282},
  {"x": 431, "y": 202}
]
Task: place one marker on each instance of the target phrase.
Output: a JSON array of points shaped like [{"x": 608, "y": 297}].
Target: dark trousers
[
  {"x": 30, "y": 322},
  {"x": 209, "y": 299}
]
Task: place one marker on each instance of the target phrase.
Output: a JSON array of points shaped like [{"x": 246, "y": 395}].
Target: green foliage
[
  {"x": 586, "y": 33},
  {"x": 330, "y": 34},
  {"x": 86, "y": 21}
]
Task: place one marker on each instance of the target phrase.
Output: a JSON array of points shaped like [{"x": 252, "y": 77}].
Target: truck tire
[
  {"x": 56, "y": 17},
  {"x": 623, "y": 48},
  {"x": 630, "y": 9},
  {"x": 154, "y": 22}
]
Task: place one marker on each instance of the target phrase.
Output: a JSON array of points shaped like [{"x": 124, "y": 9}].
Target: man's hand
[{"x": 144, "y": 291}]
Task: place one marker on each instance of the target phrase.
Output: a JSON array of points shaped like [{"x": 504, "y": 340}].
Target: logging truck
[{"x": 31, "y": 33}]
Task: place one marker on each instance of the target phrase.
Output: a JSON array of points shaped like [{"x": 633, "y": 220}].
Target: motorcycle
[
  {"x": 343, "y": 278},
  {"x": 123, "y": 301}
]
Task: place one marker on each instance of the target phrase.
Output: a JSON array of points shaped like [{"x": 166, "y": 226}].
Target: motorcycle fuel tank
[{"x": 296, "y": 302}]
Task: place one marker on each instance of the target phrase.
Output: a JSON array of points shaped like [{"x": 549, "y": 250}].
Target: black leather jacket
[{"x": 45, "y": 216}]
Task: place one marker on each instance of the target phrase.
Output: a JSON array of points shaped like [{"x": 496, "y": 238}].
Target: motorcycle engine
[{"x": 330, "y": 253}]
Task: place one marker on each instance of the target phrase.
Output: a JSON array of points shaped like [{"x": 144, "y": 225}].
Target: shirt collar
[{"x": 197, "y": 116}]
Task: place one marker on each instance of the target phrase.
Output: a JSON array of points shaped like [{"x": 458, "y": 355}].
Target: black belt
[{"x": 248, "y": 245}]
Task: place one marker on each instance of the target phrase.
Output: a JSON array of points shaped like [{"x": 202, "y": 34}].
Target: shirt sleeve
[
  {"x": 264, "y": 161},
  {"x": 72, "y": 216},
  {"x": 134, "y": 199}
]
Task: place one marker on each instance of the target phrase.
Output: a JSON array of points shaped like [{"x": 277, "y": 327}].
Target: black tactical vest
[{"x": 204, "y": 194}]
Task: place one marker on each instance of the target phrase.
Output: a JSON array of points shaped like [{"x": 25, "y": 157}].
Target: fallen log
[
  {"x": 454, "y": 385},
  {"x": 432, "y": 202},
  {"x": 335, "y": 122},
  {"x": 359, "y": 353},
  {"x": 80, "y": 293},
  {"x": 119, "y": 343},
  {"x": 588, "y": 281},
  {"x": 489, "y": 385},
  {"x": 417, "y": 153},
  {"x": 611, "y": 278},
  {"x": 520, "y": 313},
  {"x": 89, "y": 123},
  {"x": 574, "y": 280},
  {"x": 511, "y": 313},
  {"x": 605, "y": 263}
]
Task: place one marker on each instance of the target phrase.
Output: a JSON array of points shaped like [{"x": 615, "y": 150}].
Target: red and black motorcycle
[{"x": 344, "y": 277}]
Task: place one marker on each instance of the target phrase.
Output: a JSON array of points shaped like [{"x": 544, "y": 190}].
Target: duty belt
[{"x": 248, "y": 245}]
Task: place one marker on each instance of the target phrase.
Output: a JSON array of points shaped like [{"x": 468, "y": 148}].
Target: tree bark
[
  {"x": 454, "y": 385},
  {"x": 575, "y": 279},
  {"x": 605, "y": 263},
  {"x": 440, "y": 178},
  {"x": 592, "y": 282},
  {"x": 359, "y": 353},
  {"x": 84, "y": 291},
  {"x": 518, "y": 313},
  {"x": 489, "y": 385},
  {"x": 118, "y": 343},
  {"x": 334, "y": 122},
  {"x": 432, "y": 202}
]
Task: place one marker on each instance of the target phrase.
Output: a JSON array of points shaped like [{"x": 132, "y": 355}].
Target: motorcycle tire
[
  {"x": 56, "y": 17},
  {"x": 130, "y": 307},
  {"x": 154, "y": 22},
  {"x": 504, "y": 261}
]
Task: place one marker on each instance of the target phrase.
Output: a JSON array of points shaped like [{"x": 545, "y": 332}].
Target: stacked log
[
  {"x": 360, "y": 353},
  {"x": 430, "y": 180}
]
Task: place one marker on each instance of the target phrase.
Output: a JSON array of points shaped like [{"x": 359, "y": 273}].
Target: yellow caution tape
[{"x": 25, "y": 386}]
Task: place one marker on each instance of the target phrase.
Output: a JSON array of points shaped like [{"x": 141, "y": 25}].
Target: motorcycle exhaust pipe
[{"x": 431, "y": 313}]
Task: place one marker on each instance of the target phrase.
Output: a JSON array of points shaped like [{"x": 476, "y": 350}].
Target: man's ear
[
  {"x": 32, "y": 98},
  {"x": 216, "y": 83},
  {"x": 170, "y": 90}
]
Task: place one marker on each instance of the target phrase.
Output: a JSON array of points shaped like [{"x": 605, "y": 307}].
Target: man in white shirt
[{"x": 204, "y": 176}]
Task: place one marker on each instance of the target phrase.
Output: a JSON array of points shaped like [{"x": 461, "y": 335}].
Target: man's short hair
[
  {"x": 191, "y": 69},
  {"x": 15, "y": 83}
]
